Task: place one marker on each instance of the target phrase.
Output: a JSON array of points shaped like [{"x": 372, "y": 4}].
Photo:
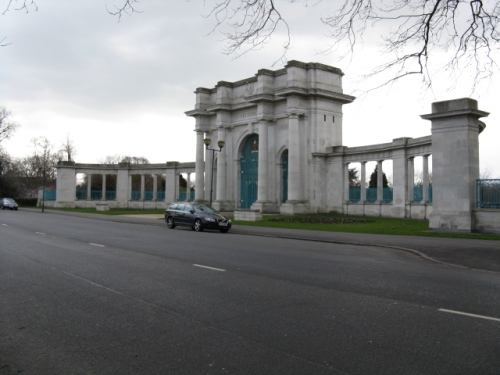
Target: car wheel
[
  {"x": 197, "y": 225},
  {"x": 224, "y": 230},
  {"x": 170, "y": 222}
]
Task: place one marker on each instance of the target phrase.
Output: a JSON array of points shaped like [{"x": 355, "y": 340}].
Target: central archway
[{"x": 249, "y": 162}]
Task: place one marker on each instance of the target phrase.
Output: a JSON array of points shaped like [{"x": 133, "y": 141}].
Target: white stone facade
[
  {"x": 295, "y": 111},
  {"x": 276, "y": 146}
]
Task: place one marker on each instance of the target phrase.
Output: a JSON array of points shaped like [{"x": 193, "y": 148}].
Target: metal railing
[
  {"x": 418, "y": 194},
  {"x": 371, "y": 194},
  {"x": 488, "y": 193}
]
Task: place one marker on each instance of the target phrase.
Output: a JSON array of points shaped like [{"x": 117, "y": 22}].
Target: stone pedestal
[{"x": 455, "y": 163}]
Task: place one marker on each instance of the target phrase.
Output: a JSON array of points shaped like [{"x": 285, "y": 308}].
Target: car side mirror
[{"x": 192, "y": 211}]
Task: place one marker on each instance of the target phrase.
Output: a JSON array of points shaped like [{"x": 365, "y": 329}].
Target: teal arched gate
[
  {"x": 284, "y": 176},
  {"x": 249, "y": 162}
]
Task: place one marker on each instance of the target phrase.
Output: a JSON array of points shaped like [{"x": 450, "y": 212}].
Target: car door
[
  {"x": 189, "y": 214},
  {"x": 178, "y": 214}
]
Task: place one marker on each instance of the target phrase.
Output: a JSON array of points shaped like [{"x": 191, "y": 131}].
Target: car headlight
[{"x": 210, "y": 219}]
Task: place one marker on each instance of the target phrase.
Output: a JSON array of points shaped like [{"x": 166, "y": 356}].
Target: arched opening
[{"x": 249, "y": 162}]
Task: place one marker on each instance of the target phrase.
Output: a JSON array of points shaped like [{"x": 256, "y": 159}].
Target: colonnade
[
  {"x": 408, "y": 177},
  {"x": 155, "y": 194}
]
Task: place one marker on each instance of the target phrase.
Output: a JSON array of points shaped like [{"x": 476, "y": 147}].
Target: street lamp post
[{"x": 221, "y": 144}]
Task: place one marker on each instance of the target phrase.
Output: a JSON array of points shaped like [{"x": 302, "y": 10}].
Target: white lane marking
[
  {"x": 96, "y": 244},
  {"x": 209, "y": 268},
  {"x": 470, "y": 315},
  {"x": 5, "y": 225},
  {"x": 43, "y": 234}
]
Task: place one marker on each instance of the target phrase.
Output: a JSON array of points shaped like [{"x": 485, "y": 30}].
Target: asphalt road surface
[{"x": 86, "y": 296}]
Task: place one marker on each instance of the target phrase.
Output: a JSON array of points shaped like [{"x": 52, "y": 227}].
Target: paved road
[{"x": 86, "y": 296}]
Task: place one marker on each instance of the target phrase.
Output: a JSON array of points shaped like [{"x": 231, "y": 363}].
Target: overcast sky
[{"x": 121, "y": 88}]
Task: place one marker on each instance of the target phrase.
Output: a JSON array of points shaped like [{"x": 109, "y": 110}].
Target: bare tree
[
  {"x": 412, "y": 31},
  {"x": 25, "y": 5},
  {"x": 7, "y": 125},
  {"x": 68, "y": 149},
  {"x": 115, "y": 159}
]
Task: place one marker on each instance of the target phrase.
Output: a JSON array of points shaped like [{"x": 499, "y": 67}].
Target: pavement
[{"x": 467, "y": 253}]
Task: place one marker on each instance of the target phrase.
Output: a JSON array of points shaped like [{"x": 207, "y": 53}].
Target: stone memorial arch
[{"x": 271, "y": 124}]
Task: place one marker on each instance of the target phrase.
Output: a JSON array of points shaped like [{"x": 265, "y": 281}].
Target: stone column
[
  {"x": 294, "y": 188},
  {"x": 89, "y": 187},
  {"x": 363, "y": 182},
  {"x": 380, "y": 182},
  {"x": 455, "y": 163},
  {"x": 188, "y": 187},
  {"x": 171, "y": 182},
  {"x": 346, "y": 182},
  {"x": 295, "y": 203},
  {"x": 263, "y": 204},
  {"x": 130, "y": 187},
  {"x": 200, "y": 168},
  {"x": 143, "y": 184},
  {"x": 220, "y": 193},
  {"x": 425, "y": 178},
  {"x": 411, "y": 178},
  {"x": 155, "y": 187},
  {"x": 103, "y": 194}
]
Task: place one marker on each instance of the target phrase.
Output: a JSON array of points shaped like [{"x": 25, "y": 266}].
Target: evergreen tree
[{"x": 374, "y": 177}]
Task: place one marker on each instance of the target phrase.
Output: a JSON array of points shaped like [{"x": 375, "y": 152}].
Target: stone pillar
[
  {"x": 171, "y": 182},
  {"x": 295, "y": 203},
  {"x": 200, "y": 168},
  {"x": 66, "y": 185},
  {"x": 294, "y": 188},
  {"x": 400, "y": 178},
  {"x": 155, "y": 187},
  {"x": 346, "y": 182},
  {"x": 220, "y": 193},
  {"x": 263, "y": 204},
  {"x": 123, "y": 186},
  {"x": 455, "y": 163},
  {"x": 411, "y": 178},
  {"x": 363, "y": 182},
  {"x": 380, "y": 182},
  {"x": 130, "y": 187},
  {"x": 425, "y": 178},
  {"x": 89, "y": 187},
  {"x": 143, "y": 184},
  {"x": 188, "y": 187},
  {"x": 103, "y": 194}
]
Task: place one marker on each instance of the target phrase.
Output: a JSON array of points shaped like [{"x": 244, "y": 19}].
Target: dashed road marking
[
  {"x": 209, "y": 268},
  {"x": 96, "y": 244}
]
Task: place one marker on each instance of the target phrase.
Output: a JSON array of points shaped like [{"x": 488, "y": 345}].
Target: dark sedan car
[
  {"x": 8, "y": 203},
  {"x": 196, "y": 216}
]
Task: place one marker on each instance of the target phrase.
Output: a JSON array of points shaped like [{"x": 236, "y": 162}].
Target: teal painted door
[
  {"x": 249, "y": 162},
  {"x": 284, "y": 176}
]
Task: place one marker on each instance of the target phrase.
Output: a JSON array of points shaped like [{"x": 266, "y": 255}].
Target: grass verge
[
  {"x": 355, "y": 224},
  {"x": 329, "y": 223}
]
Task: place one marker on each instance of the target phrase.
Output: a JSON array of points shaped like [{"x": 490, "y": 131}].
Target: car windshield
[
  {"x": 203, "y": 208},
  {"x": 10, "y": 200}
]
